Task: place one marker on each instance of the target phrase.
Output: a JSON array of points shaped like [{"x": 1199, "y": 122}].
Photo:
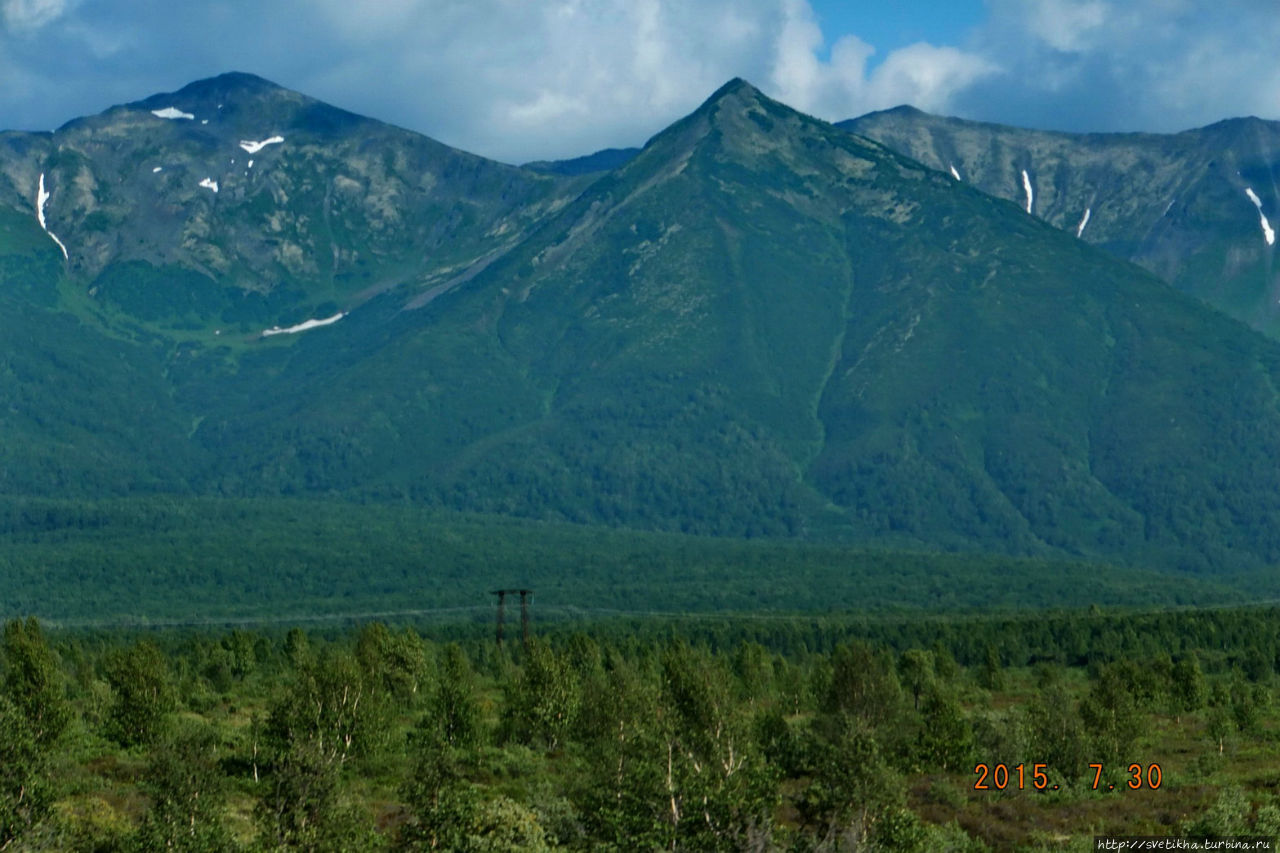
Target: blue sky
[
  {"x": 897, "y": 23},
  {"x": 530, "y": 79}
]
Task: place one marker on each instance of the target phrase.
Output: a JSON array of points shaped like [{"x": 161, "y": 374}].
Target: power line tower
[{"x": 525, "y": 595}]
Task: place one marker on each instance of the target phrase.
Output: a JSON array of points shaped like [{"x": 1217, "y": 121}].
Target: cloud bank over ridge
[{"x": 520, "y": 81}]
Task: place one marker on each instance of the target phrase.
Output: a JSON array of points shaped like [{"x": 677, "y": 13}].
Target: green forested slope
[
  {"x": 81, "y": 412},
  {"x": 761, "y": 325}
]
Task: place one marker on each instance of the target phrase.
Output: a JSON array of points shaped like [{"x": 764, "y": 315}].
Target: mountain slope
[
  {"x": 603, "y": 160},
  {"x": 237, "y": 203},
  {"x": 81, "y": 413},
  {"x": 764, "y": 325},
  {"x": 1197, "y": 208},
  {"x": 760, "y": 325}
]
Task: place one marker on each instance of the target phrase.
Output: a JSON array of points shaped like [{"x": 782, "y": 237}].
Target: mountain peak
[
  {"x": 247, "y": 103},
  {"x": 231, "y": 81},
  {"x": 735, "y": 98},
  {"x": 1240, "y": 130},
  {"x": 904, "y": 110},
  {"x": 213, "y": 90},
  {"x": 735, "y": 89},
  {"x": 731, "y": 107},
  {"x": 737, "y": 84}
]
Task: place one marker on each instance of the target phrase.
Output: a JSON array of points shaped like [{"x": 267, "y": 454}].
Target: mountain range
[
  {"x": 1196, "y": 208},
  {"x": 759, "y": 324}
]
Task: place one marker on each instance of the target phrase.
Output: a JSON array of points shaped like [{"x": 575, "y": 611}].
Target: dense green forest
[
  {"x": 129, "y": 561},
  {"x": 1031, "y": 731}
]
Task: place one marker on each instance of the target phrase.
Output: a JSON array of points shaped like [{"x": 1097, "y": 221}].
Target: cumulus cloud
[
  {"x": 519, "y": 81},
  {"x": 27, "y": 15},
  {"x": 842, "y": 87},
  {"x": 1066, "y": 25},
  {"x": 506, "y": 78},
  {"x": 1160, "y": 65},
  {"x": 561, "y": 78}
]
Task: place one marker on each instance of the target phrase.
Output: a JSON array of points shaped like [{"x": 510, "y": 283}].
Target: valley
[{"x": 839, "y": 459}]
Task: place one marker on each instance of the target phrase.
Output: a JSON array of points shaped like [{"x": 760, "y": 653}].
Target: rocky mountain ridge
[
  {"x": 1197, "y": 208},
  {"x": 285, "y": 200}
]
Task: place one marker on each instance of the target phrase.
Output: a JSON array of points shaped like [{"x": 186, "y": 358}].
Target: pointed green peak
[
  {"x": 736, "y": 85},
  {"x": 735, "y": 89},
  {"x": 735, "y": 101},
  {"x": 737, "y": 95}
]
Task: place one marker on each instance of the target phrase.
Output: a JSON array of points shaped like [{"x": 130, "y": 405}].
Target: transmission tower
[{"x": 525, "y": 595}]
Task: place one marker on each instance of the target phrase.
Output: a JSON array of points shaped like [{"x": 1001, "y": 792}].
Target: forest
[
  {"x": 1032, "y": 730},
  {"x": 161, "y": 559}
]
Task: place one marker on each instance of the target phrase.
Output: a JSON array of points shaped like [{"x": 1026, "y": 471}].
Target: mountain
[
  {"x": 265, "y": 207},
  {"x": 760, "y": 325},
  {"x": 81, "y": 412},
  {"x": 601, "y": 161},
  {"x": 1199, "y": 208}
]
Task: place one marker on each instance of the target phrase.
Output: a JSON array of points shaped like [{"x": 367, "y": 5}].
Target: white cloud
[
  {"x": 1158, "y": 65},
  {"x": 27, "y": 15},
  {"x": 796, "y": 71},
  {"x": 1067, "y": 25},
  {"x": 927, "y": 76},
  {"x": 518, "y": 81},
  {"x": 919, "y": 74}
]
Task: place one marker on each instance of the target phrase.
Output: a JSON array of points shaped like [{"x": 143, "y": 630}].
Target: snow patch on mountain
[
  {"x": 302, "y": 327},
  {"x": 61, "y": 246},
  {"x": 210, "y": 183},
  {"x": 1083, "y": 221},
  {"x": 250, "y": 164},
  {"x": 156, "y": 169},
  {"x": 171, "y": 112},
  {"x": 1026, "y": 185},
  {"x": 1268, "y": 233},
  {"x": 954, "y": 173},
  {"x": 254, "y": 147},
  {"x": 42, "y": 197}
]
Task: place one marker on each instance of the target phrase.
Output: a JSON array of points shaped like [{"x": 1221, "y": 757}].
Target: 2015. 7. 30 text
[{"x": 1036, "y": 777}]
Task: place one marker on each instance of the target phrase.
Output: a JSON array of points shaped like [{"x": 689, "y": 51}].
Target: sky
[{"x": 521, "y": 80}]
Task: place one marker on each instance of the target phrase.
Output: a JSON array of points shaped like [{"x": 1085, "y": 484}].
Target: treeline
[
  {"x": 1223, "y": 639},
  {"x": 113, "y": 561},
  {"x": 605, "y": 739}
]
